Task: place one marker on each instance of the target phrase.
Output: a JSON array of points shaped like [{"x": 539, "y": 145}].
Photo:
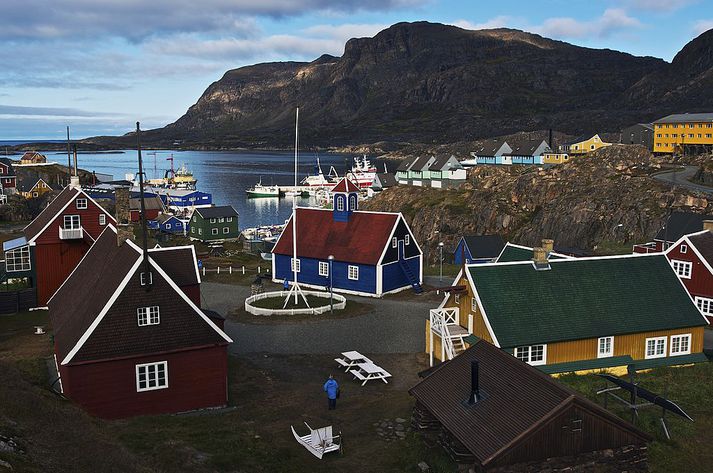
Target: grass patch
[
  {"x": 609, "y": 247},
  {"x": 448, "y": 270}
]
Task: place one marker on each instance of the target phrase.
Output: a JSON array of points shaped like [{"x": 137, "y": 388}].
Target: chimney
[
  {"x": 74, "y": 178},
  {"x": 123, "y": 229},
  {"x": 708, "y": 225},
  {"x": 548, "y": 245},
  {"x": 474, "y": 383},
  {"x": 540, "y": 259}
]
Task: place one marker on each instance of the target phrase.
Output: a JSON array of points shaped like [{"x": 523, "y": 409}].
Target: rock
[
  {"x": 423, "y": 467},
  {"x": 401, "y": 434},
  {"x": 399, "y": 427},
  {"x": 5, "y": 464},
  {"x": 399, "y": 420}
]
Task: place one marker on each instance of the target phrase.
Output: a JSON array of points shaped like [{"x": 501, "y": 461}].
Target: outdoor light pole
[
  {"x": 440, "y": 252},
  {"x": 331, "y": 303}
]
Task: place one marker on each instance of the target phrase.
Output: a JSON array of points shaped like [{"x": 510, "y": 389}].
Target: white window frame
[
  {"x": 226, "y": 230},
  {"x": 71, "y": 220},
  {"x": 146, "y": 369},
  {"x": 212, "y": 220},
  {"x": 340, "y": 203},
  {"x": 394, "y": 242},
  {"x": 527, "y": 352},
  {"x": 168, "y": 226},
  {"x": 353, "y": 272},
  {"x": 213, "y": 231},
  {"x": 221, "y": 220},
  {"x": 656, "y": 341},
  {"x": 473, "y": 304},
  {"x": 683, "y": 269},
  {"x": 324, "y": 269},
  {"x": 142, "y": 278},
  {"x": 200, "y": 231},
  {"x": 407, "y": 239},
  {"x": 148, "y": 315},
  {"x": 18, "y": 259},
  {"x": 683, "y": 248},
  {"x": 293, "y": 263},
  {"x": 704, "y": 304},
  {"x": 608, "y": 353},
  {"x": 84, "y": 204},
  {"x": 193, "y": 229},
  {"x": 102, "y": 219},
  {"x": 228, "y": 219},
  {"x": 682, "y": 336}
]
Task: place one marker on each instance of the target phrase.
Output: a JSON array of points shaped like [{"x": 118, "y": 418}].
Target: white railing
[
  {"x": 71, "y": 233},
  {"x": 440, "y": 320}
]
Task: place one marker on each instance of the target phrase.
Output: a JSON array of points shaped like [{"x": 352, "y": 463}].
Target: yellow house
[
  {"x": 33, "y": 157},
  {"x": 31, "y": 187},
  {"x": 555, "y": 158},
  {"x": 583, "y": 144},
  {"x": 684, "y": 132},
  {"x": 571, "y": 315}
]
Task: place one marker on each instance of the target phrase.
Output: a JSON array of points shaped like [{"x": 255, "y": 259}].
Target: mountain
[{"x": 424, "y": 82}]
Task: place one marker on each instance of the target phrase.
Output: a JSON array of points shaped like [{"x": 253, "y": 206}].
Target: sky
[{"x": 101, "y": 65}]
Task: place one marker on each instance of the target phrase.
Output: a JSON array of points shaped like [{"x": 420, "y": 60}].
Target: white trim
[
  {"x": 482, "y": 309},
  {"x": 656, "y": 340},
  {"x": 704, "y": 300},
  {"x": 529, "y": 361},
  {"x": 379, "y": 278},
  {"x": 681, "y": 267},
  {"x": 350, "y": 268},
  {"x": 182, "y": 247},
  {"x": 147, "y": 388},
  {"x": 611, "y": 347},
  {"x": 678, "y": 353}
]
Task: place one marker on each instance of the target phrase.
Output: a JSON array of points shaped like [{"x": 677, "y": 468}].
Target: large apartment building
[{"x": 683, "y": 133}]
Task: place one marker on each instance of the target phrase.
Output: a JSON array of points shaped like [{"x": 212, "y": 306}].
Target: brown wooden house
[
  {"x": 494, "y": 413},
  {"x": 128, "y": 340}
]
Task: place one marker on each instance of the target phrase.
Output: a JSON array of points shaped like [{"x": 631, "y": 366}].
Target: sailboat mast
[{"x": 294, "y": 205}]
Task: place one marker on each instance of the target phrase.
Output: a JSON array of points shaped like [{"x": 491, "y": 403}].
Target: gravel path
[
  {"x": 395, "y": 326},
  {"x": 680, "y": 177}
]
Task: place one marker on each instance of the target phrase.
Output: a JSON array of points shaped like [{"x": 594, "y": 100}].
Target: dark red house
[
  {"x": 153, "y": 205},
  {"x": 55, "y": 241},
  {"x": 129, "y": 341},
  {"x": 692, "y": 260},
  {"x": 8, "y": 180},
  {"x": 676, "y": 226}
]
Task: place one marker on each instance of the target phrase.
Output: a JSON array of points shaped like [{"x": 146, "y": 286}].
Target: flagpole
[{"x": 294, "y": 206}]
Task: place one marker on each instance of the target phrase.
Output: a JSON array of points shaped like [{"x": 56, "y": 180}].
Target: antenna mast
[{"x": 147, "y": 268}]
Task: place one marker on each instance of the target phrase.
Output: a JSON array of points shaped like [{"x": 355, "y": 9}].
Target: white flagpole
[{"x": 294, "y": 206}]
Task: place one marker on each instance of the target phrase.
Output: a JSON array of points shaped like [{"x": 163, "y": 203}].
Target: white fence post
[
  {"x": 203, "y": 270},
  {"x": 218, "y": 270},
  {"x": 258, "y": 269},
  {"x": 230, "y": 270},
  {"x": 243, "y": 269}
]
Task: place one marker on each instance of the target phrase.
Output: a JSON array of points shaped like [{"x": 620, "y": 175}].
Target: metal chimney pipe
[
  {"x": 75, "y": 160},
  {"x": 474, "y": 383}
]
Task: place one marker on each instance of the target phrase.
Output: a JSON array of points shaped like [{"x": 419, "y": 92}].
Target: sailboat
[
  {"x": 318, "y": 179},
  {"x": 258, "y": 190}
]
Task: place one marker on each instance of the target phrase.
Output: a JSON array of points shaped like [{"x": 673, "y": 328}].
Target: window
[
  {"x": 353, "y": 273},
  {"x": 152, "y": 376},
  {"x": 708, "y": 135},
  {"x": 212, "y": 220},
  {"x": 102, "y": 219},
  {"x": 606, "y": 347},
  {"x": 690, "y": 135},
  {"x": 591, "y": 146},
  {"x": 323, "y": 269},
  {"x": 532, "y": 355},
  {"x": 81, "y": 204},
  {"x": 194, "y": 218},
  {"x": 226, "y": 230},
  {"x": 352, "y": 202},
  {"x": 148, "y": 315},
  {"x": 473, "y": 304},
  {"x": 682, "y": 268},
  {"x": 456, "y": 298},
  {"x": 680, "y": 344},
  {"x": 704, "y": 304},
  {"x": 168, "y": 226},
  {"x": 295, "y": 265},
  {"x": 407, "y": 239},
  {"x": 18, "y": 259},
  {"x": 35, "y": 194},
  {"x": 193, "y": 229},
  {"x": 655, "y": 347},
  {"x": 200, "y": 231},
  {"x": 394, "y": 242},
  {"x": 340, "y": 203},
  {"x": 213, "y": 231},
  {"x": 684, "y": 248},
  {"x": 228, "y": 219},
  {"x": 658, "y": 135},
  {"x": 146, "y": 278},
  {"x": 72, "y": 222},
  {"x": 221, "y": 220}
]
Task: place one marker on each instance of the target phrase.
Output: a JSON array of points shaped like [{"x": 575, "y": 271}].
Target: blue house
[
  {"x": 478, "y": 249},
  {"x": 512, "y": 151},
  {"x": 168, "y": 224},
  {"x": 374, "y": 253}
]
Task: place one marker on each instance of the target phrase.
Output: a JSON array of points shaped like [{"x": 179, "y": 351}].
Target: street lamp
[
  {"x": 440, "y": 250},
  {"x": 331, "y": 301}
]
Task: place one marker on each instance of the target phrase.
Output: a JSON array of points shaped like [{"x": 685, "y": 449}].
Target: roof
[
  {"x": 579, "y": 139},
  {"x": 442, "y": 163},
  {"x": 26, "y": 181},
  {"x": 524, "y": 147},
  {"x": 512, "y": 252},
  {"x": 77, "y": 308},
  {"x": 8, "y": 162},
  {"x": 217, "y": 211},
  {"x": 386, "y": 179},
  {"x": 345, "y": 185},
  {"x": 704, "y": 244},
  {"x": 490, "y": 147},
  {"x": 50, "y": 212},
  {"x": 681, "y": 223},
  {"x": 516, "y": 400},
  {"x": 582, "y": 298},
  {"x": 33, "y": 155},
  {"x": 151, "y": 203},
  {"x": 484, "y": 246},
  {"x": 686, "y": 118},
  {"x": 360, "y": 240},
  {"x": 648, "y": 126},
  {"x": 179, "y": 262},
  {"x": 406, "y": 164},
  {"x": 163, "y": 218}
]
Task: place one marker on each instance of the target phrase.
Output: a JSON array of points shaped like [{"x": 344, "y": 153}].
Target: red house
[
  {"x": 55, "y": 241},
  {"x": 692, "y": 260},
  {"x": 129, "y": 341},
  {"x": 676, "y": 226},
  {"x": 8, "y": 180},
  {"x": 153, "y": 206}
]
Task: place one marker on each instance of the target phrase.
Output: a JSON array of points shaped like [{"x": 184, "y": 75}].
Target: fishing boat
[
  {"x": 183, "y": 178},
  {"x": 362, "y": 172},
  {"x": 318, "y": 179},
  {"x": 258, "y": 190}
]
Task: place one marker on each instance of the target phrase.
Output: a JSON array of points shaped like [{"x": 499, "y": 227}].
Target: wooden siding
[
  {"x": 701, "y": 282},
  {"x": 196, "y": 379},
  {"x": 54, "y": 262}
]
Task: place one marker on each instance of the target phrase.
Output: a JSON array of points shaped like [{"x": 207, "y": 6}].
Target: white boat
[
  {"x": 258, "y": 190},
  {"x": 362, "y": 172},
  {"x": 318, "y": 179}
]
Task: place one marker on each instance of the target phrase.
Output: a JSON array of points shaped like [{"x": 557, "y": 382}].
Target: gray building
[{"x": 639, "y": 134}]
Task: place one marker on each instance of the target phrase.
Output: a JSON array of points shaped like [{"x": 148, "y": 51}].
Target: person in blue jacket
[{"x": 331, "y": 387}]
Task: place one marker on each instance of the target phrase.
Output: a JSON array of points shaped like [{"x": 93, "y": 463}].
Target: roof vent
[
  {"x": 540, "y": 259},
  {"x": 474, "y": 383}
]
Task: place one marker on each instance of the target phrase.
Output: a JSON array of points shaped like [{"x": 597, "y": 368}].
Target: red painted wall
[
  {"x": 701, "y": 282},
  {"x": 53, "y": 264},
  {"x": 196, "y": 379},
  {"x": 89, "y": 218},
  {"x": 194, "y": 293},
  {"x": 151, "y": 214},
  {"x": 8, "y": 182}
]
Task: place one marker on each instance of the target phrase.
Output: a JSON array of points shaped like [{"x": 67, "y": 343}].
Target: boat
[
  {"x": 258, "y": 190},
  {"x": 183, "y": 178},
  {"x": 362, "y": 173},
  {"x": 318, "y": 179}
]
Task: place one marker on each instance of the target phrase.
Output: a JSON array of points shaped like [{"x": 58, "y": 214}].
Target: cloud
[
  {"x": 661, "y": 6},
  {"x": 501, "y": 21},
  {"x": 613, "y": 20},
  {"x": 701, "y": 26},
  {"x": 16, "y": 110}
]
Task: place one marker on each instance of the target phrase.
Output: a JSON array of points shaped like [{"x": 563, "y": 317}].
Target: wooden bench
[
  {"x": 357, "y": 374},
  {"x": 342, "y": 363}
]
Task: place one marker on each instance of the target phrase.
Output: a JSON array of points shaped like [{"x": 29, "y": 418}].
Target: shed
[{"x": 478, "y": 249}]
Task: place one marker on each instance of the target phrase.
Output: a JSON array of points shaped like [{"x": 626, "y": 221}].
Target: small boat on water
[
  {"x": 258, "y": 190},
  {"x": 362, "y": 172},
  {"x": 318, "y": 179}
]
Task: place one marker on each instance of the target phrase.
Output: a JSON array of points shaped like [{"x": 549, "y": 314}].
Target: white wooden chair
[{"x": 319, "y": 441}]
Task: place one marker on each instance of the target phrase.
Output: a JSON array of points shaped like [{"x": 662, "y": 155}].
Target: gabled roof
[
  {"x": 681, "y": 223},
  {"x": 10, "y": 170},
  {"x": 387, "y": 180},
  {"x": 582, "y": 298},
  {"x": 179, "y": 262},
  {"x": 217, "y": 211},
  {"x": 512, "y": 252},
  {"x": 151, "y": 203},
  {"x": 491, "y": 147},
  {"x": 345, "y": 185},
  {"x": 524, "y": 147},
  {"x": 92, "y": 289},
  {"x": 360, "y": 240},
  {"x": 686, "y": 118},
  {"x": 484, "y": 246},
  {"x": 516, "y": 400},
  {"x": 579, "y": 139},
  {"x": 26, "y": 181},
  {"x": 406, "y": 163},
  {"x": 163, "y": 218},
  {"x": 703, "y": 242},
  {"x": 445, "y": 163}
]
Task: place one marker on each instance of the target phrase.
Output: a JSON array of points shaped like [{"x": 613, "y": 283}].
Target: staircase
[
  {"x": 412, "y": 278},
  {"x": 444, "y": 323}
]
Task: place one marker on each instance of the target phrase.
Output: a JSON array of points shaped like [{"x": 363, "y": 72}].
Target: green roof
[
  {"x": 582, "y": 298},
  {"x": 513, "y": 253}
]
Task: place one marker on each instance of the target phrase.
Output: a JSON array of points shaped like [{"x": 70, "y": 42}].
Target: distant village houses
[
  {"x": 33, "y": 157},
  {"x": 683, "y": 133},
  {"x": 510, "y": 151},
  {"x": 639, "y": 134},
  {"x": 428, "y": 171},
  {"x": 583, "y": 144}
]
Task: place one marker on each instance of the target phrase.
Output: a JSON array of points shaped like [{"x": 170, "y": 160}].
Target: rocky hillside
[
  {"x": 603, "y": 199},
  {"x": 424, "y": 83}
]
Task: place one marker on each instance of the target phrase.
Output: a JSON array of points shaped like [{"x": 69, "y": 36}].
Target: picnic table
[
  {"x": 368, "y": 371},
  {"x": 350, "y": 359}
]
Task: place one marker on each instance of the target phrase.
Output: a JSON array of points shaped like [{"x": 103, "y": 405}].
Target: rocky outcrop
[{"x": 605, "y": 197}]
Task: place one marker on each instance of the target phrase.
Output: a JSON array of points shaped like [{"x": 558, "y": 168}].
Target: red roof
[
  {"x": 360, "y": 240},
  {"x": 345, "y": 185}
]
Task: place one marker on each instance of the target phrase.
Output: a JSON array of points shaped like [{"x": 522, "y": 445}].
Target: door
[{"x": 402, "y": 254}]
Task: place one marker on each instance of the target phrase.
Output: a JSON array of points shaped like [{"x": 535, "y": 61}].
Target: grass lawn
[{"x": 448, "y": 270}]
